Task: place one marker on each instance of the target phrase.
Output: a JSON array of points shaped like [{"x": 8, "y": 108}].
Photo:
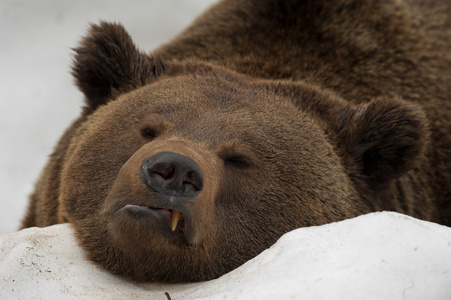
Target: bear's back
[{"x": 359, "y": 49}]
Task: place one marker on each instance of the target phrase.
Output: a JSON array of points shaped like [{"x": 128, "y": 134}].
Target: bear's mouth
[
  {"x": 174, "y": 218},
  {"x": 171, "y": 221}
]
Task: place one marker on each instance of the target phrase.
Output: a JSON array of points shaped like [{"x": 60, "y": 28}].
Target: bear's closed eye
[
  {"x": 238, "y": 161},
  {"x": 149, "y": 133}
]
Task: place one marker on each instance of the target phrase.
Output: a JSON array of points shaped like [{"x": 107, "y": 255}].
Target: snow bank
[{"x": 375, "y": 256}]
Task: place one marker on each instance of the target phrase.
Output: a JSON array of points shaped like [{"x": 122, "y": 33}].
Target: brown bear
[{"x": 262, "y": 117}]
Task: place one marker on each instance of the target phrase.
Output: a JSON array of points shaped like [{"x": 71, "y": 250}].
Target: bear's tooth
[{"x": 175, "y": 219}]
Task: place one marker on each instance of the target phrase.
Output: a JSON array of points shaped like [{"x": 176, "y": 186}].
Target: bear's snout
[
  {"x": 164, "y": 193},
  {"x": 172, "y": 174}
]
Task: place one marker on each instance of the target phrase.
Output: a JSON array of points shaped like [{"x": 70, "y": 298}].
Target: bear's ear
[
  {"x": 107, "y": 64},
  {"x": 385, "y": 137}
]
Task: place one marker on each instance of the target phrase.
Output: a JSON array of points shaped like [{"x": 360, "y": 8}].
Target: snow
[
  {"x": 376, "y": 256},
  {"x": 38, "y": 97}
]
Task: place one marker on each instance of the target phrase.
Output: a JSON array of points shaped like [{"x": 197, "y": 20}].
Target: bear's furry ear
[
  {"x": 385, "y": 137},
  {"x": 107, "y": 64}
]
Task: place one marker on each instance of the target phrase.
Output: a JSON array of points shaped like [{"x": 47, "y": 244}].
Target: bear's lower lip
[{"x": 173, "y": 221}]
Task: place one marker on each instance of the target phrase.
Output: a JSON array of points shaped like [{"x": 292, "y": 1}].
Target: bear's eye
[
  {"x": 149, "y": 133},
  {"x": 238, "y": 161}
]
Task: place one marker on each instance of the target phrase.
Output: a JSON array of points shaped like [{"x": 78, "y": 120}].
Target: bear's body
[{"x": 261, "y": 117}]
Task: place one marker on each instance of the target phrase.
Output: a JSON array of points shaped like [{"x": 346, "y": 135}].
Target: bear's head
[{"x": 184, "y": 171}]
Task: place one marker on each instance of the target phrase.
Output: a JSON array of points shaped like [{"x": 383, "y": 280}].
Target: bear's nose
[{"x": 172, "y": 174}]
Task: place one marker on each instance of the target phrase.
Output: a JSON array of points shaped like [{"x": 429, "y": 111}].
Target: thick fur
[{"x": 298, "y": 113}]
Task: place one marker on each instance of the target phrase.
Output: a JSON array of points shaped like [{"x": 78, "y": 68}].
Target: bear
[{"x": 259, "y": 118}]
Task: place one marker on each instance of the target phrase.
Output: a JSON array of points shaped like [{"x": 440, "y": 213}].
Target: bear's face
[
  {"x": 183, "y": 172},
  {"x": 257, "y": 167}
]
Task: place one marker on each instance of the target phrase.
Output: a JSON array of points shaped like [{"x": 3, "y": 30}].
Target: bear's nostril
[
  {"x": 169, "y": 173},
  {"x": 192, "y": 179},
  {"x": 166, "y": 172}
]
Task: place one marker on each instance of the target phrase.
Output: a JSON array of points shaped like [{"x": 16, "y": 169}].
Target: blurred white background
[{"x": 38, "y": 99}]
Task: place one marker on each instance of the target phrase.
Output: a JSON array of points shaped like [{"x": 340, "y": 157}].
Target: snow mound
[{"x": 375, "y": 256}]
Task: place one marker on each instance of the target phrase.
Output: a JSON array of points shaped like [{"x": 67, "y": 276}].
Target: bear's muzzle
[{"x": 165, "y": 191}]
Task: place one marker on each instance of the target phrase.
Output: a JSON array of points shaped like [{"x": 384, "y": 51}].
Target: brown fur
[{"x": 298, "y": 113}]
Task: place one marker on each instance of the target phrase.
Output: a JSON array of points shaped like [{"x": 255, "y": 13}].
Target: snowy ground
[
  {"x": 37, "y": 97},
  {"x": 376, "y": 256}
]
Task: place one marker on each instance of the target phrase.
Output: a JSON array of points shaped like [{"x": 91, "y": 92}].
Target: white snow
[{"x": 375, "y": 256}]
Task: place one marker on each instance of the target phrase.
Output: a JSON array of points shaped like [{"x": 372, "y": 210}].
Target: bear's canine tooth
[{"x": 175, "y": 219}]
